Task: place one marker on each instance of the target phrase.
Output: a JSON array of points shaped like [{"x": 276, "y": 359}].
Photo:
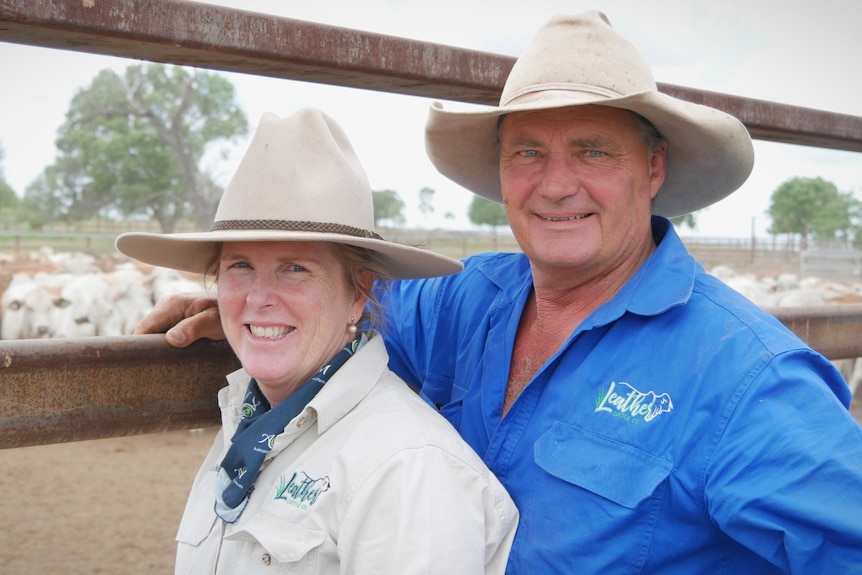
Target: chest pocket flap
[
  {"x": 616, "y": 471},
  {"x": 286, "y": 542}
]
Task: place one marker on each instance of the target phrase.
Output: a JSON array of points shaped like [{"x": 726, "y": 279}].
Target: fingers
[
  {"x": 203, "y": 324},
  {"x": 185, "y": 317}
]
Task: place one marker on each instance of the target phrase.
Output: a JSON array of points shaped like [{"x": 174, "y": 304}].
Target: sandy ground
[{"x": 109, "y": 506}]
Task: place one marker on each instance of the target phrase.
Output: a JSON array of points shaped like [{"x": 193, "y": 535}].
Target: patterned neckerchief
[{"x": 255, "y": 435}]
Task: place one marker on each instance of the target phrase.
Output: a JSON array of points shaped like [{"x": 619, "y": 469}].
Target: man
[{"x": 644, "y": 417}]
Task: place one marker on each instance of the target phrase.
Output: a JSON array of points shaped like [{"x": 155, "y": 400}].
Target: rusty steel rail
[
  {"x": 835, "y": 330},
  {"x": 215, "y": 37},
  {"x": 58, "y": 390}
]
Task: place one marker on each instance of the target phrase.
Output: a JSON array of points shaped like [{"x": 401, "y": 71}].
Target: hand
[{"x": 185, "y": 318}]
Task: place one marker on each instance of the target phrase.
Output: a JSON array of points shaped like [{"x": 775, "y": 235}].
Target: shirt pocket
[
  {"x": 197, "y": 545},
  {"x": 616, "y": 471},
  {"x": 267, "y": 544}
]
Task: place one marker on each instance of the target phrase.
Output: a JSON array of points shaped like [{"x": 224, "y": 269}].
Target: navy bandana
[{"x": 255, "y": 435}]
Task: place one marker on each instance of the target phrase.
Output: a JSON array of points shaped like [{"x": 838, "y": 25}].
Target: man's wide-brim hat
[
  {"x": 299, "y": 180},
  {"x": 579, "y": 60}
]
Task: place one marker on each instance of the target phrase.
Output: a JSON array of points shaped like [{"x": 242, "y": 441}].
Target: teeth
[
  {"x": 565, "y": 219},
  {"x": 269, "y": 332}
]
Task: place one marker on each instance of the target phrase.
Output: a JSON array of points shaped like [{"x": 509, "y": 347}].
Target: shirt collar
[
  {"x": 665, "y": 280},
  {"x": 347, "y": 387}
]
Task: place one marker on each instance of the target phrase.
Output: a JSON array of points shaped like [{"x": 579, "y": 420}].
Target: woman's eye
[{"x": 236, "y": 265}]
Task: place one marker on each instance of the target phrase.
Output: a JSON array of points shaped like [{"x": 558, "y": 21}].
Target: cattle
[{"x": 64, "y": 295}]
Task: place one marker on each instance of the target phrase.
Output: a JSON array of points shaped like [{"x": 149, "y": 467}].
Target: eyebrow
[{"x": 585, "y": 142}]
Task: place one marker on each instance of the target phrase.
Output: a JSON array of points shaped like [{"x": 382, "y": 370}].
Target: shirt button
[
  {"x": 301, "y": 421},
  {"x": 266, "y": 559}
]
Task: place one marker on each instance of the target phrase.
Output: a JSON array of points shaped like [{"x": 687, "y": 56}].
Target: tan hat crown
[
  {"x": 590, "y": 43},
  {"x": 309, "y": 160},
  {"x": 299, "y": 180}
]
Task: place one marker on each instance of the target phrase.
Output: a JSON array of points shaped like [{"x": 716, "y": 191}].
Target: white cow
[
  {"x": 28, "y": 307},
  {"x": 84, "y": 306},
  {"x": 130, "y": 300},
  {"x": 167, "y": 282}
]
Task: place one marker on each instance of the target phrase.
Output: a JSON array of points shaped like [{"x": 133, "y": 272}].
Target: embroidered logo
[
  {"x": 248, "y": 409},
  {"x": 623, "y": 400},
  {"x": 301, "y": 491}
]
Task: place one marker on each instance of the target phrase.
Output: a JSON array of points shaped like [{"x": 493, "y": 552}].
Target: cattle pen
[{"x": 56, "y": 390}]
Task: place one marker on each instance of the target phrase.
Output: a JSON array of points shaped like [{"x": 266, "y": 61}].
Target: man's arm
[{"x": 184, "y": 318}]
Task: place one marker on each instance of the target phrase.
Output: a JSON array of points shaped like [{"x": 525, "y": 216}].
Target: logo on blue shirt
[{"x": 623, "y": 400}]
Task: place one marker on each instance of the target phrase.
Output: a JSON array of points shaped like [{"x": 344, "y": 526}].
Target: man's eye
[
  {"x": 595, "y": 153},
  {"x": 530, "y": 153}
]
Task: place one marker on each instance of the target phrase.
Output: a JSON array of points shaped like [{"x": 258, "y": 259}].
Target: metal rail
[
  {"x": 67, "y": 390},
  {"x": 55, "y": 390},
  {"x": 206, "y": 36}
]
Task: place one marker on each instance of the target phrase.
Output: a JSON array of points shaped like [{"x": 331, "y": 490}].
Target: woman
[{"x": 327, "y": 462}]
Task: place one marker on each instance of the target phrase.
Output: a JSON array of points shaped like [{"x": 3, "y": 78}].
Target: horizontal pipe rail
[
  {"x": 835, "y": 330},
  {"x": 57, "y": 390},
  {"x": 215, "y": 37}
]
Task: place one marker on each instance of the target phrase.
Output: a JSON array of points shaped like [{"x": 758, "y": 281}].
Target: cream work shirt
[{"x": 368, "y": 478}]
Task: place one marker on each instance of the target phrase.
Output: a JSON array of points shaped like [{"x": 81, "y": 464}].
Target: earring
[{"x": 352, "y": 328}]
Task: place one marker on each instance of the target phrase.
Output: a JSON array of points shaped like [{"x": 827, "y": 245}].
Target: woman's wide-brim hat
[
  {"x": 578, "y": 60},
  {"x": 299, "y": 180}
]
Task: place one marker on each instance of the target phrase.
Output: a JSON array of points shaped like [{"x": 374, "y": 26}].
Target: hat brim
[
  {"x": 193, "y": 252},
  {"x": 709, "y": 156}
]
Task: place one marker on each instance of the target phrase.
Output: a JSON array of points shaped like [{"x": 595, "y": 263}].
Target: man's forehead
[{"x": 587, "y": 118}]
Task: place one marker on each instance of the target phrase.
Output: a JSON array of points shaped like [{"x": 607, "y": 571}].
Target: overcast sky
[{"x": 805, "y": 54}]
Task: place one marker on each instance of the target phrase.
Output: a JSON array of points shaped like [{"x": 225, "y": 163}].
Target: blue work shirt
[{"x": 680, "y": 429}]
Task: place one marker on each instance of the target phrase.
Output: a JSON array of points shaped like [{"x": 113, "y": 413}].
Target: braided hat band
[{"x": 293, "y": 226}]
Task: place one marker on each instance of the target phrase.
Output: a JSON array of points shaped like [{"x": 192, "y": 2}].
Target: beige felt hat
[
  {"x": 299, "y": 180},
  {"x": 581, "y": 59}
]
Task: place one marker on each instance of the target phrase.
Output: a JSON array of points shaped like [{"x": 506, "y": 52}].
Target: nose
[
  {"x": 559, "y": 178},
  {"x": 261, "y": 291}
]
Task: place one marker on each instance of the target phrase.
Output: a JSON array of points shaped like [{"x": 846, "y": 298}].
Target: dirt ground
[{"x": 109, "y": 506}]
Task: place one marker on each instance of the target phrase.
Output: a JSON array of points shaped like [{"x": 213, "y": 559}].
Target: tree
[
  {"x": 684, "y": 220},
  {"x": 388, "y": 206},
  {"x": 9, "y": 200},
  {"x": 426, "y": 196},
  {"x": 486, "y": 212},
  {"x": 812, "y": 205},
  {"x": 133, "y": 145}
]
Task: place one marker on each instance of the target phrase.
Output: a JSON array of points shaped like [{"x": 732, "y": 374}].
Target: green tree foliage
[
  {"x": 388, "y": 207},
  {"x": 132, "y": 145},
  {"x": 9, "y": 200},
  {"x": 426, "y": 198},
  {"x": 486, "y": 212},
  {"x": 684, "y": 220},
  {"x": 812, "y": 206}
]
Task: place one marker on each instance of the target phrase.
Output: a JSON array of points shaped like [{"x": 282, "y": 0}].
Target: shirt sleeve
[{"x": 786, "y": 476}]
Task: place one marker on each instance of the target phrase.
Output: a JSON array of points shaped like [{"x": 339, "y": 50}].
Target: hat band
[{"x": 293, "y": 226}]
